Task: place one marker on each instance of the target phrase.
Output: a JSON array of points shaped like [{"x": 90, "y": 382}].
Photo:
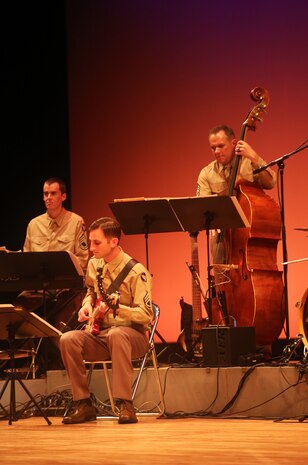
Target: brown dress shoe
[
  {"x": 82, "y": 411},
  {"x": 127, "y": 412}
]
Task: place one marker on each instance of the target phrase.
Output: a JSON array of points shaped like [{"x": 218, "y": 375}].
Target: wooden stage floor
[
  {"x": 155, "y": 441},
  {"x": 214, "y": 415}
]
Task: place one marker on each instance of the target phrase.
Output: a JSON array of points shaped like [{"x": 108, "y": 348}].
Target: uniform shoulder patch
[
  {"x": 83, "y": 242},
  {"x": 147, "y": 301}
]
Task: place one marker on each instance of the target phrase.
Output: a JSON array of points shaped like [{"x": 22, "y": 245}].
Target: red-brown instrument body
[{"x": 254, "y": 294}]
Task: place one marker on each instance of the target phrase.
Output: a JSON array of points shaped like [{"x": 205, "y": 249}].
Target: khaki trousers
[{"x": 120, "y": 344}]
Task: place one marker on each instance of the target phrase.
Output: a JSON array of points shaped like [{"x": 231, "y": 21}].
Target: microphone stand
[{"x": 280, "y": 163}]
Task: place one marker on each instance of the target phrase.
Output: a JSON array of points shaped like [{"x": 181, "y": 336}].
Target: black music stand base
[
  {"x": 11, "y": 380},
  {"x": 12, "y": 414},
  {"x": 15, "y": 324}
]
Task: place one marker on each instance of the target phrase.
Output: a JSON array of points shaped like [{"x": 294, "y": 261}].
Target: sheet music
[{"x": 26, "y": 324}]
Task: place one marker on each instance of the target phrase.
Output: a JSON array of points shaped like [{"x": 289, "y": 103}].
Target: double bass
[{"x": 254, "y": 292}]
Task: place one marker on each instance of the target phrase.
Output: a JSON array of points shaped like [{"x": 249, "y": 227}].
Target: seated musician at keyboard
[{"x": 55, "y": 230}]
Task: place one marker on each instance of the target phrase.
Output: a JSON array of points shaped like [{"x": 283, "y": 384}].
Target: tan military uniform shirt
[
  {"x": 213, "y": 178},
  {"x": 66, "y": 232},
  {"x": 135, "y": 305}
]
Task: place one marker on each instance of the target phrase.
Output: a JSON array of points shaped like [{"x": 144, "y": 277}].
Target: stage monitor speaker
[{"x": 226, "y": 345}]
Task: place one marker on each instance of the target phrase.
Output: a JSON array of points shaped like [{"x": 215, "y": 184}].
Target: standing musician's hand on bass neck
[{"x": 243, "y": 149}]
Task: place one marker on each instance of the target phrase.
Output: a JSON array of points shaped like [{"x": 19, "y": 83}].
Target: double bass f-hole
[{"x": 244, "y": 265}]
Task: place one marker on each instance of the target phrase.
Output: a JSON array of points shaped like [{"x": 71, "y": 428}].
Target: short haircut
[
  {"x": 223, "y": 127},
  {"x": 62, "y": 185},
  {"x": 109, "y": 226}
]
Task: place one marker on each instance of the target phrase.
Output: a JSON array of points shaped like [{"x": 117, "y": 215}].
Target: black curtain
[{"x": 34, "y": 133}]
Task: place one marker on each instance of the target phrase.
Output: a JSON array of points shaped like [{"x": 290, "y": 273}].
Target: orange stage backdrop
[{"x": 148, "y": 79}]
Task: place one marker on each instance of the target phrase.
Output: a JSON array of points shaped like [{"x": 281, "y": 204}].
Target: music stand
[
  {"x": 206, "y": 213},
  {"x": 39, "y": 272},
  {"x": 21, "y": 271},
  {"x": 209, "y": 212},
  {"x": 15, "y": 324},
  {"x": 144, "y": 216}
]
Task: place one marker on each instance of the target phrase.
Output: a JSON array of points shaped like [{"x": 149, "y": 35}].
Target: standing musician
[
  {"x": 240, "y": 293},
  {"x": 213, "y": 178},
  {"x": 124, "y": 322}
]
